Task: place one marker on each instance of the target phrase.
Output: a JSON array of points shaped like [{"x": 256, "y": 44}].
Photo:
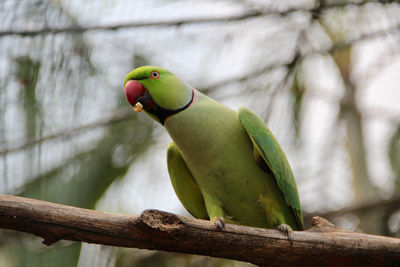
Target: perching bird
[{"x": 224, "y": 165}]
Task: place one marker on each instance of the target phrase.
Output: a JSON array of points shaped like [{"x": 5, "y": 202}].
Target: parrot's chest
[{"x": 214, "y": 146}]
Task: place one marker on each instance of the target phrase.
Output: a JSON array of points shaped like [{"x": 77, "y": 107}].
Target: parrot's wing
[
  {"x": 268, "y": 148},
  {"x": 184, "y": 184}
]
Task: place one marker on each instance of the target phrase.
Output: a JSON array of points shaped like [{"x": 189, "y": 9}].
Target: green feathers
[
  {"x": 183, "y": 183},
  {"x": 272, "y": 154}
]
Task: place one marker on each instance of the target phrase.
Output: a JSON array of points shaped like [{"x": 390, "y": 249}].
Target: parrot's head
[{"x": 159, "y": 92}]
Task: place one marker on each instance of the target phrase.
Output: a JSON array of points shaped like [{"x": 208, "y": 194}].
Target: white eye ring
[{"x": 155, "y": 75}]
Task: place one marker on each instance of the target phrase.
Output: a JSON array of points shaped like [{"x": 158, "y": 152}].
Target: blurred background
[{"x": 324, "y": 75}]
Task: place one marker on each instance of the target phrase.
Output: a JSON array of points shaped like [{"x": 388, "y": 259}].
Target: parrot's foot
[
  {"x": 219, "y": 222},
  {"x": 288, "y": 231}
]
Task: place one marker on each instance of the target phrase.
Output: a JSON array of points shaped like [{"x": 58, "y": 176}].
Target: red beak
[{"x": 133, "y": 90}]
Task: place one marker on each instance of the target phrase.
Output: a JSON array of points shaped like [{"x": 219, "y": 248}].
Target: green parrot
[{"x": 224, "y": 165}]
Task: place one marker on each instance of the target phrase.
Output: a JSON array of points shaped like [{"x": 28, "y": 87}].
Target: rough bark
[{"x": 324, "y": 244}]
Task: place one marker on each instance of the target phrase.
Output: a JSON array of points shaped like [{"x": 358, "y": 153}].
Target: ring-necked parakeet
[{"x": 223, "y": 164}]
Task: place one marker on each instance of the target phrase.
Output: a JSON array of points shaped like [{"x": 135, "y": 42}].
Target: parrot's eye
[{"x": 155, "y": 75}]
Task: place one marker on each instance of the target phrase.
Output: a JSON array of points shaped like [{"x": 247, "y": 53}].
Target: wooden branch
[{"x": 324, "y": 244}]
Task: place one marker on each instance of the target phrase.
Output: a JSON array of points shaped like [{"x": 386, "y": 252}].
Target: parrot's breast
[{"x": 210, "y": 139}]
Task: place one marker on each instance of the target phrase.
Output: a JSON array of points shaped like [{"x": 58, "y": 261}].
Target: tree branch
[{"x": 323, "y": 244}]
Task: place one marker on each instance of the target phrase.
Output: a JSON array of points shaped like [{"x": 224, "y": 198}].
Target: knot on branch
[
  {"x": 319, "y": 224},
  {"x": 160, "y": 220}
]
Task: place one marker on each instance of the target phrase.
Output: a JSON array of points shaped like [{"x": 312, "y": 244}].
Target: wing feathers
[{"x": 273, "y": 155}]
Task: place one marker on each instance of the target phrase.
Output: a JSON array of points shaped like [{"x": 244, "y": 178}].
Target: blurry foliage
[
  {"x": 297, "y": 91},
  {"x": 94, "y": 170},
  {"x": 60, "y": 86},
  {"x": 168, "y": 259},
  {"x": 27, "y": 73},
  {"x": 394, "y": 156},
  {"x": 362, "y": 187},
  {"x": 27, "y": 251}
]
